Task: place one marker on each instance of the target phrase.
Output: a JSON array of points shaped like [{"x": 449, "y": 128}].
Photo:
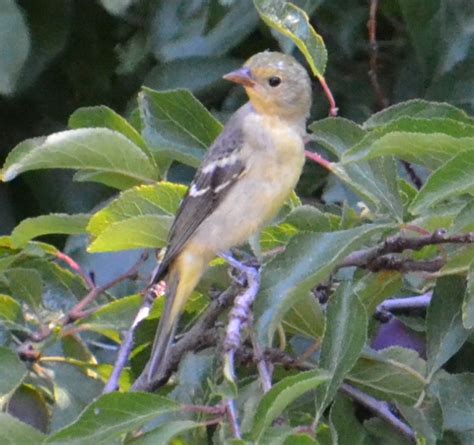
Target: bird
[{"x": 243, "y": 181}]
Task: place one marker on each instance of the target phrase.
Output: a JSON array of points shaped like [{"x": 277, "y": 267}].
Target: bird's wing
[{"x": 219, "y": 170}]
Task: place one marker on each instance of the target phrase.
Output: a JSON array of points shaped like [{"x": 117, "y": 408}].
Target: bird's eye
[{"x": 274, "y": 81}]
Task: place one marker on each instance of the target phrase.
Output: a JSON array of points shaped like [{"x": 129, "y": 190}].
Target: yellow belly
[{"x": 274, "y": 156}]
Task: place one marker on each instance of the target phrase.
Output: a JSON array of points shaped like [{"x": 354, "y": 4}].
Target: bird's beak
[{"x": 242, "y": 76}]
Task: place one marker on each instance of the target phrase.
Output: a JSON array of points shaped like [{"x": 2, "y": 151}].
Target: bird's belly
[{"x": 251, "y": 202}]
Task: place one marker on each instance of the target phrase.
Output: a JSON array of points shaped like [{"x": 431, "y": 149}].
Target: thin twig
[
  {"x": 263, "y": 367},
  {"x": 76, "y": 268},
  {"x": 380, "y": 409},
  {"x": 401, "y": 304},
  {"x": 333, "y": 110},
  {"x": 78, "y": 311},
  {"x": 382, "y": 101},
  {"x": 127, "y": 345},
  {"x": 318, "y": 159}
]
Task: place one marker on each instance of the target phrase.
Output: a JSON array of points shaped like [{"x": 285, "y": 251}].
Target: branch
[
  {"x": 239, "y": 317},
  {"x": 385, "y": 309},
  {"x": 397, "y": 244},
  {"x": 200, "y": 336},
  {"x": 333, "y": 110},
  {"x": 380, "y": 409}
]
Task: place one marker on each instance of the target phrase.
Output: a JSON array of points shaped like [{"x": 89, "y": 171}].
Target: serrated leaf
[
  {"x": 445, "y": 331},
  {"x": 305, "y": 318},
  {"x": 91, "y": 149},
  {"x": 375, "y": 181},
  {"x": 427, "y": 149},
  {"x": 417, "y": 108},
  {"x": 10, "y": 310},
  {"x": 176, "y": 125},
  {"x": 293, "y": 22},
  {"x": 426, "y": 420},
  {"x": 111, "y": 416},
  {"x": 281, "y": 395},
  {"x": 113, "y": 318},
  {"x": 456, "y": 396},
  {"x": 61, "y": 223},
  {"x": 146, "y": 231},
  {"x": 343, "y": 340},
  {"x": 464, "y": 220},
  {"x": 308, "y": 259},
  {"x": 345, "y": 427},
  {"x": 102, "y": 116},
  {"x": 14, "y": 432},
  {"x": 12, "y": 372},
  {"x": 449, "y": 127},
  {"x": 162, "y": 198},
  {"x": 14, "y": 45},
  {"x": 394, "y": 374},
  {"x": 165, "y": 432},
  {"x": 451, "y": 179},
  {"x": 25, "y": 285}
]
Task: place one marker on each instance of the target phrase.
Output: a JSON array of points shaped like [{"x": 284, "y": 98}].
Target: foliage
[{"x": 362, "y": 240}]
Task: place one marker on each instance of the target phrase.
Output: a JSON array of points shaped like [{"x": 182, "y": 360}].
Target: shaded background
[{"x": 59, "y": 55}]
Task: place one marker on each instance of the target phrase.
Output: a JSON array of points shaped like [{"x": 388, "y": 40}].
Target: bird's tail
[{"x": 166, "y": 329}]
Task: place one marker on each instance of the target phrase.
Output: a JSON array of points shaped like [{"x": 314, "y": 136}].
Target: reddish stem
[
  {"x": 318, "y": 159},
  {"x": 327, "y": 91}
]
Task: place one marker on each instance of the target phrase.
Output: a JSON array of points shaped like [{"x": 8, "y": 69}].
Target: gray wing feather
[{"x": 194, "y": 209}]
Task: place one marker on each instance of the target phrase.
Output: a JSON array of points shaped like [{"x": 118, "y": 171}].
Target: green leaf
[
  {"x": 74, "y": 389},
  {"x": 102, "y": 116},
  {"x": 426, "y": 420},
  {"x": 308, "y": 259},
  {"x": 176, "y": 125},
  {"x": 456, "y": 396},
  {"x": 12, "y": 372},
  {"x": 345, "y": 428},
  {"x": 91, "y": 149},
  {"x": 113, "y": 318},
  {"x": 165, "y": 432},
  {"x": 445, "y": 331},
  {"x": 305, "y": 318},
  {"x": 449, "y": 127},
  {"x": 14, "y": 432},
  {"x": 464, "y": 220},
  {"x": 112, "y": 415},
  {"x": 417, "y": 108},
  {"x": 281, "y": 395},
  {"x": 307, "y": 218},
  {"x": 293, "y": 22},
  {"x": 161, "y": 199},
  {"x": 373, "y": 288},
  {"x": 10, "y": 310},
  {"x": 427, "y": 149},
  {"x": 26, "y": 285},
  {"x": 453, "y": 178},
  {"x": 344, "y": 338},
  {"x": 145, "y": 231},
  {"x": 468, "y": 303},
  {"x": 375, "y": 182},
  {"x": 14, "y": 45},
  {"x": 395, "y": 374},
  {"x": 31, "y": 228}
]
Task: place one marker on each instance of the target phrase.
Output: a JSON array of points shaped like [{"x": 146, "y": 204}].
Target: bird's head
[{"x": 276, "y": 84}]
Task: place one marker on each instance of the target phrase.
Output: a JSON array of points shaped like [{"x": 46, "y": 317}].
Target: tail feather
[{"x": 165, "y": 331}]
